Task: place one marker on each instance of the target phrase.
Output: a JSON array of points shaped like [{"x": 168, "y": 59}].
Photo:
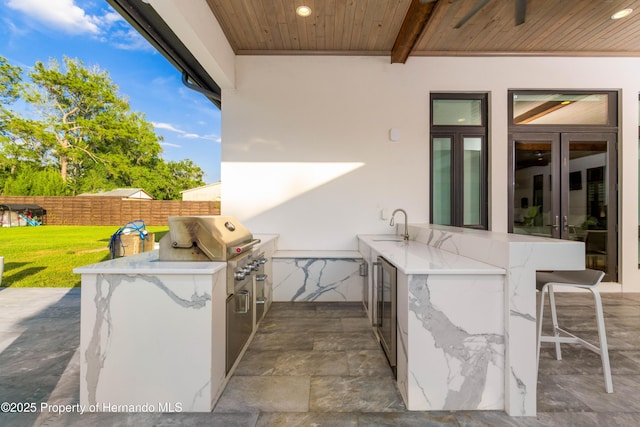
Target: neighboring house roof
[
  {"x": 202, "y": 187},
  {"x": 209, "y": 192},
  {"x": 128, "y": 193}
]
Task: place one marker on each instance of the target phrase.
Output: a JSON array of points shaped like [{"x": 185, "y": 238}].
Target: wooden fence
[{"x": 112, "y": 210}]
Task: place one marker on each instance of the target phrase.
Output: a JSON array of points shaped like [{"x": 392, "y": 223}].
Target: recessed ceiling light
[
  {"x": 621, "y": 13},
  {"x": 303, "y": 10}
]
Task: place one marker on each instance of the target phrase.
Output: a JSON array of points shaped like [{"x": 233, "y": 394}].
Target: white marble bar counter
[
  {"x": 152, "y": 335},
  {"x": 413, "y": 257},
  {"x": 450, "y": 326},
  {"x": 520, "y": 256}
]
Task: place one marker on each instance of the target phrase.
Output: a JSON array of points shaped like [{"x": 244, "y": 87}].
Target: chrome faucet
[{"x": 406, "y": 222}]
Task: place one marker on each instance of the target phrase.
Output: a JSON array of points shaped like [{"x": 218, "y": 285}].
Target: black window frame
[
  {"x": 612, "y": 112},
  {"x": 457, "y": 134}
]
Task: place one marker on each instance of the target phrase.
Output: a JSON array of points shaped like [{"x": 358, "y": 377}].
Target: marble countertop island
[
  {"x": 148, "y": 263},
  {"x": 138, "y": 316},
  {"x": 413, "y": 257},
  {"x": 501, "y": 268}
]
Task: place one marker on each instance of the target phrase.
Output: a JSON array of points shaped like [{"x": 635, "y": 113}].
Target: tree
[
  {"x": 83, "y": 119},
  {"x": 80, "y": 127},
  {"x": 45, "y": 182},
  {"x": 9, "y": 80}
]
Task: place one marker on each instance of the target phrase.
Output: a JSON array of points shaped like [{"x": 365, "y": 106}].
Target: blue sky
[{"x": 90, "y": 30}]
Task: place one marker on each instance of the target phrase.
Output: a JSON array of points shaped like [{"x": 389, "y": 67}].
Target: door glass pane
[
  {"x": 457, "y": 112},
  {"x": 588, "y": 199},
  {"x": 472, "y": 201},
  {"x": 441, "y": 186},
  {"x": 561, "y": 109},
  {"x": 532, "y": 210}
]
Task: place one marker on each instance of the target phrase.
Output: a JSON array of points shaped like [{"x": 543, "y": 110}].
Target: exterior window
[
  {"x": 457, "y": 112},
  {"x": 459, "y": 160},
  {"x": 441, "y": 181},
  {"x": 562, "y": 108}
]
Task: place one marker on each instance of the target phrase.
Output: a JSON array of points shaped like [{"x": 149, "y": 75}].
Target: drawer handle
[{"x": 242, "y": 302}]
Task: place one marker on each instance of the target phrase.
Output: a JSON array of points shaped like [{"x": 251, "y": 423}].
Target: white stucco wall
[{"x": 306, "y": 150}]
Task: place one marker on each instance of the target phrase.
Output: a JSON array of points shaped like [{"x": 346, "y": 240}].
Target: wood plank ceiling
[{"x": 373, "y": 27}]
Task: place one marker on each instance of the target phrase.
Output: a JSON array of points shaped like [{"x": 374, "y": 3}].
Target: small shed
[{"x": 19, "y": 215}]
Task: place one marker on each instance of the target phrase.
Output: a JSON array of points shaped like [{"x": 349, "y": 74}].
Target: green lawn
[{"x": 45, "y": 256}]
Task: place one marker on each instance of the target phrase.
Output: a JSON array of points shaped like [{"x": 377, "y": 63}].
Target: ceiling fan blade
[
  {"x": 521, "y": 11},
  {"x": 473, "y": 11}
]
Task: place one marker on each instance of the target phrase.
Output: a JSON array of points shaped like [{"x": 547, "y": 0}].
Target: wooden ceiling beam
[
  {"x": 414, "y": 22},
  {"x": 540, "y": 111}
]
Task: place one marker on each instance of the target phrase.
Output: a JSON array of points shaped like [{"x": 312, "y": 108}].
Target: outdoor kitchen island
[
  {"x": 153, "y": 333},
  {"x": 466, "y": 314}
]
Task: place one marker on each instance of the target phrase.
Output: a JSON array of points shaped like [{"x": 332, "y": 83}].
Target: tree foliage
[{"x": 78, "y": 127}]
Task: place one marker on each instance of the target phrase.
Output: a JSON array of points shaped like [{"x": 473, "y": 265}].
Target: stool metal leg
[
  {"x": 604, "y": 349},
  {"x": 554, "y": 318},
  {"x": 585, "y": 281},
  {"x": 539, "y": 320}
]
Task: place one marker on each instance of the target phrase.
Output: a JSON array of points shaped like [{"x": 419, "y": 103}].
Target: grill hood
[{"x": 204, "y": 238}]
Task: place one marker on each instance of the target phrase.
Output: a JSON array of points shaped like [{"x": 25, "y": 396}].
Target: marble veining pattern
[
  {"x": 136, "y": 326},
  {"x": 95, "y": 354},
  {"x": 465, "y": 356},
  {"x": 97, "y": 351},
  {"x": 317, "y": 279},
  {"x": 520, "y": 256}
]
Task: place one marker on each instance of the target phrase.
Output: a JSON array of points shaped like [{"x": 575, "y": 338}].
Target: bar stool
[{"x": 585, "y": 279}]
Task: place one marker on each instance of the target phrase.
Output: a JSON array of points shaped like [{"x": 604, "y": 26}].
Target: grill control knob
[
  {"x": 262, "y": 260},
  {"x": 247, "y": 269},
  {"x": 239, "y": 275}
]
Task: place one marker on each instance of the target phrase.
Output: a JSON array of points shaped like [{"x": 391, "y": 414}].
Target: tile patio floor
[{"x": 316, "y": 364}]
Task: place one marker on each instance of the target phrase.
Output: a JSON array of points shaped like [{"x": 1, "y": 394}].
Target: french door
[{"x": 564, "y": 186}]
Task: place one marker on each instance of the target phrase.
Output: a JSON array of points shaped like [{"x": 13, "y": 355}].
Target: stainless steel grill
[{"x": 205, "y": 238}]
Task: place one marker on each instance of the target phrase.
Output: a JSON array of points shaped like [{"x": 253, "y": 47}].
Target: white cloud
[
  {"x": 105, "y": 24},
  {"x": 166, "y": 126},
  {"x": 184, "y": 134},
  {"x": 14, "y": 29},
  {"x": 170, "y": 144},
  {"x": 59, "y": 14},
  {"x": 212, "y": 137},
  {"x": 129, "y": 39},
  {"x": 111, "y": 17}
]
